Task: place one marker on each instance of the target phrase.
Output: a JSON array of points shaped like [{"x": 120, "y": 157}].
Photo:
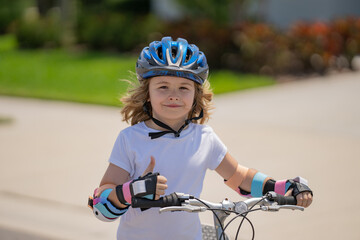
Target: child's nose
[{"x": 174, "y": 96}]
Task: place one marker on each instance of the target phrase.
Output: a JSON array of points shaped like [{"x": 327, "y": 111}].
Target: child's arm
[
  {"x": 113, "y": 177},
  {"x": 241, "y": 177}
]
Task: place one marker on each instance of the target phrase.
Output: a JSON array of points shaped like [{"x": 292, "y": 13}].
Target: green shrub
[
  {"x": 321, "y": 46},
  {"x": 33, "y": 31},
  {"x": 116, "y": 31},
  {"x": 260, "y": 48},
  {"x": 10, "y": 11},
  {"x": 120, "y": 25},
  {"x": 213, "y": 39}
]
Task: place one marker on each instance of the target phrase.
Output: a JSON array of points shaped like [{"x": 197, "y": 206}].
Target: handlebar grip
[
  {"x": 285, "y": 200},
  {"x": 166, "y": 201}
]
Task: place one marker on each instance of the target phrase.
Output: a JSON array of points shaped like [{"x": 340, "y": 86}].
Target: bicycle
[{"x": 185, "y": 202}]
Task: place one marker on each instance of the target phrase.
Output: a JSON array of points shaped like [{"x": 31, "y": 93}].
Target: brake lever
[
  {"x": 292, "y": 207},
  {"x": 275, "y": 208},
  {"x": 188, "y": 208}
]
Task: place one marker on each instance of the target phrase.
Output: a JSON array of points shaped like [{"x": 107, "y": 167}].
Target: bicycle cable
[
  {"x": 217, "y": 217},
  {"x": 244, "y": 218},
  {"x": 238, "y": 231},
  {"x": 243, "y": 215},
  {"x": 237, "y": 215}
]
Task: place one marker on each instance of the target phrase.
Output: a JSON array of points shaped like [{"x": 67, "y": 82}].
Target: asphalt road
[{"x": 53, "y": 154}]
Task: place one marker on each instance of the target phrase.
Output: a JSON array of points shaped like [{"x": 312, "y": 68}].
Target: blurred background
[
  {"x": 262, "y": 38},
  {"x": 53, "y": 153},
  {"x": 311, "y": 36}
]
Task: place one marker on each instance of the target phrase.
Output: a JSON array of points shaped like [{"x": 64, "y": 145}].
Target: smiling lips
[{"x": 172, "y": 105}]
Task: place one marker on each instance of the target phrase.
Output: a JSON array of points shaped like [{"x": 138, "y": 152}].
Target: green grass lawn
[{"x": 86, "y": 77}]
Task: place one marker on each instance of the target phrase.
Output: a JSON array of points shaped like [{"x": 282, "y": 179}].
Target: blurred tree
[
  {"x": 115, "y": 24},
  {"x": 9, "y": 12},
  {"x": 221, "y": 12},
  {"x": 135, "y": 7},
  {"x": 215, "y": 10},
  {"x": 68, "y": 19},
  {"x": 45, "y": 5},
  {"x": 47, "y": 23}
]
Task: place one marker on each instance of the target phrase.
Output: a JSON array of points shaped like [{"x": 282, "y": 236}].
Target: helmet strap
[{"x": 154, "y": 135}]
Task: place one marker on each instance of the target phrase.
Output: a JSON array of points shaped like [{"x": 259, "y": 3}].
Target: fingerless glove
[{"x": 144, "y": 187}]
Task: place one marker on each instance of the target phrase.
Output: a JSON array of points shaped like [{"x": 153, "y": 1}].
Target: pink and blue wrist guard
[
  {"x": 298, "y": 185},
  {"x": 256, "y": 186},
  {"x": 103, "y": 209}
]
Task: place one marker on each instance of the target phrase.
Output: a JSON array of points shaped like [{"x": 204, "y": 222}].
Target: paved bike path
[{"x": 52, "y": 154}]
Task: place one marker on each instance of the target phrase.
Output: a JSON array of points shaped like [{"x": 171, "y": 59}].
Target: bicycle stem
[{"x": 221, "y": 216}]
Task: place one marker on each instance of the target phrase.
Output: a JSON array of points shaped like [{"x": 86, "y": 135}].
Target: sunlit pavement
[{"x": 53, "y": 154}]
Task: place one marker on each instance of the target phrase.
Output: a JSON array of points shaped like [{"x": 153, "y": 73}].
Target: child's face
[{"x": 171, "y": 98}]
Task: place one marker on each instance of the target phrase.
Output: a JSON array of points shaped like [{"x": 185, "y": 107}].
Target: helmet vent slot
[
  {"x": 160, "y": 53},
  {"x": 188, "y": 55},
  {"x": 173, "y": 52}
]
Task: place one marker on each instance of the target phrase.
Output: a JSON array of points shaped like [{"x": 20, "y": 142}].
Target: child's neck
[{"x": 175, "y": 125}]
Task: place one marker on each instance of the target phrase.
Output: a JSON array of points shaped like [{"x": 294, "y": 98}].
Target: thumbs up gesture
[
  {"x": 161, "y": 181},
  {"x": 150, "y": 167},
  {"x": 149, "y": 185}
]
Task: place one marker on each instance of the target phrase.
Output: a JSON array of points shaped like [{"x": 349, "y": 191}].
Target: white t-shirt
[{"x": 183, "y": 161}]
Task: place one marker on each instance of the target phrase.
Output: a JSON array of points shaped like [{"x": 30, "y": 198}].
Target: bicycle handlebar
[
  {"x": 184, "y": 202},
  {"x": 280, "y": 199},
  {"x": 172, "y": 199},
  {"x": 177, "y": 199}
]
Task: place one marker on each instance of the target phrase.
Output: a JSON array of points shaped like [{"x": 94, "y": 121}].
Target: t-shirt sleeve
[
  {"x": 120, "y": 154},
  {"x": 217, "y": 151}
]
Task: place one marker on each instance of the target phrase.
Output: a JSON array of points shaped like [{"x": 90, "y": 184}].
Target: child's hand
[
  {"x": 303, "y": 199},
  {"x": 99, "y": 190},
  {"x": 161, "y": 185}
]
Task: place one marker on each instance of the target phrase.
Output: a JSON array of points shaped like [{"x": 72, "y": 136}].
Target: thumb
[{"x": 150, "y": 167}]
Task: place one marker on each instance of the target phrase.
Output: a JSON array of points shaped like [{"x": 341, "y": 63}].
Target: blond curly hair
[{"x": 133, "y": 113}]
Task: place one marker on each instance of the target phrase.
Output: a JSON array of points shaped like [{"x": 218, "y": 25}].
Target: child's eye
[
  {"x": 183, "y": 88},
  {"x": 163, "y": 87}
]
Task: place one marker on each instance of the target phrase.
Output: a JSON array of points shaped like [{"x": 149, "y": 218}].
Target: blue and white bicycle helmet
[{"x": 172, "y": 58}]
